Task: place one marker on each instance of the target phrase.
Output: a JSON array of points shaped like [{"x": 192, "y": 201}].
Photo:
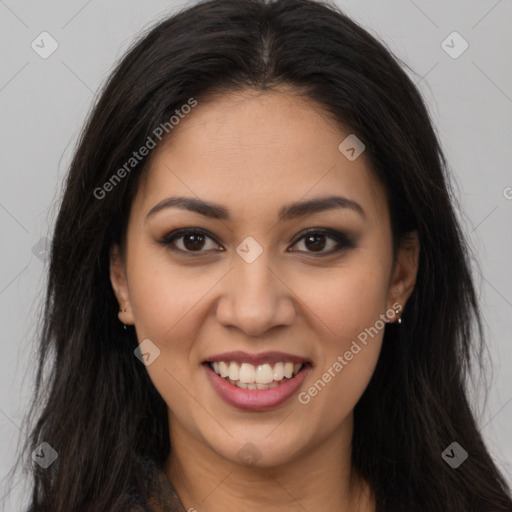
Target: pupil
[
  {"x": 197, "y": 241},
  {"x": 316, "y": 244}
]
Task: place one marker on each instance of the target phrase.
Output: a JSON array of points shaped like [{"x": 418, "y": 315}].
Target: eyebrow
[{"x": 286, "y": 213}]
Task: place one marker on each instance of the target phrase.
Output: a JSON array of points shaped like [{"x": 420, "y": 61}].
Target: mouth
[
  {"x": 262, "y": 376},
  {"x": 256, "y": 382}
]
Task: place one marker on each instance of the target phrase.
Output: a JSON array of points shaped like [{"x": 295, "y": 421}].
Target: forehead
[{"x": 252, "y": 149}]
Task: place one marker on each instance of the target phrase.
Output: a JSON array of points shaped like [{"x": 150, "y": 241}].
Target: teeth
[
  {"x": 223, "y": 369},
  {"x": 247, "y": 373},
  {"x": 278, "y": 371},
  {"x": 234, "y": 371},
  {"x": 263, "y": 376}
]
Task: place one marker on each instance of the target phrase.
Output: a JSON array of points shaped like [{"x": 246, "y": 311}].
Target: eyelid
[{"x": 322, "y": 230}]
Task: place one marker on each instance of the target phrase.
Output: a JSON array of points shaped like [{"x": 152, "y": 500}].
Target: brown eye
[
  {"x": 193, "y": 242},
  {"x": 316, "y": 240},
  {"x": 189, "y": 241}
]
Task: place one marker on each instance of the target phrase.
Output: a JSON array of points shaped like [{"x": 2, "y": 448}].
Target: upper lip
[{"x": 256, "y": 359}]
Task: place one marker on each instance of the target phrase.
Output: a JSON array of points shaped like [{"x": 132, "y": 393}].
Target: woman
[{"x": 259, "y": 295}]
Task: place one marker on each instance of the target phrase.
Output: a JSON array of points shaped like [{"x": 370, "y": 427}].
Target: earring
[
  {"x": 123, "y": 311},
  {"x": 399, "y": 321}
]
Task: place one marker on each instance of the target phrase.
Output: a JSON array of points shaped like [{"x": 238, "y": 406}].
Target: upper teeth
[{"x": 261, "y": 374}]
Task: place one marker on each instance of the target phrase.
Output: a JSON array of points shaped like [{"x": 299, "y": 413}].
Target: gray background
[{"x": 44, "y": 102}]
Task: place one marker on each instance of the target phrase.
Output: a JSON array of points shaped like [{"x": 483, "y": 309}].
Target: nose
[{"x": 255, "y": 298}]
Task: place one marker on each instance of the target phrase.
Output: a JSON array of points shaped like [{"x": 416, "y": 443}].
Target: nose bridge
[
  {"x": 254, "y": 299},
  {"x": 254, "y": 281}
]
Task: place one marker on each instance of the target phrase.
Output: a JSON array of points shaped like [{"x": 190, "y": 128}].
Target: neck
[{"x": 320, "y": 479}]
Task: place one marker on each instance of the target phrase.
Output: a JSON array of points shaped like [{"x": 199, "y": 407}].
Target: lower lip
[{"x": 255, "y": 399}]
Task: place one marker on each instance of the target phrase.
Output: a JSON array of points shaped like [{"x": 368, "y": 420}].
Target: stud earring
[
  {"x": 123, "y": 311},
  {"x": 399, "y": 321}
]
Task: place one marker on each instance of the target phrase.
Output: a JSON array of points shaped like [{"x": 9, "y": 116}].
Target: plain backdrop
[{"x": 44, "y": 102}]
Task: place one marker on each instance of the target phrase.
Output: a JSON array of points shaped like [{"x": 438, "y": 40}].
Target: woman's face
[{"x": 244, "y": 285}]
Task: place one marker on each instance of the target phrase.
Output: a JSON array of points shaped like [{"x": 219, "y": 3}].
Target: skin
[{"x": 253, "y": 153}]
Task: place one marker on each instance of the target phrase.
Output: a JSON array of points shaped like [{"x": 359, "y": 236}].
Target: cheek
[
  {"x": 169, "y": 308},
  {"x": 165, "y": 297},
  {"x": 344, "y": 302},
  {"x": 346, "y": 309}
]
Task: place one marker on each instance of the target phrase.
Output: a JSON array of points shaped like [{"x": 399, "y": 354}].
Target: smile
[
  {"x": 256, "y": 382},
  {"x": 249, "y": 376}
]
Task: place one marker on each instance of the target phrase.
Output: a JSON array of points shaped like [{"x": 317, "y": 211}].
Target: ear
[
  {"x": 120, "y": 285},
  {"x": 404, "y": 274}
]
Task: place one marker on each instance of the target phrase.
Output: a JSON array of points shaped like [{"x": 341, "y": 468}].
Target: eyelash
[{"x": 343, "y": 242}]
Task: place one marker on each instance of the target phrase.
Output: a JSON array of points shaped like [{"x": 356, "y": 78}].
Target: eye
[
  {"x": 188, "y": 240},
  {"x": 317, "y": 239}
]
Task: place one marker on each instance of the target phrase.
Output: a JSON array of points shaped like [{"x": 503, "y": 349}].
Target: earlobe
[
  {"x": 405, "y": 272},
  {"x": 120, "y": 285}
]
